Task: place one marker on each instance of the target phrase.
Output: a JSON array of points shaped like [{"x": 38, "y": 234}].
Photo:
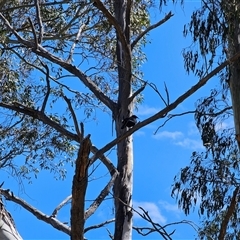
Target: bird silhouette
[{"x": 129, "y": 121}]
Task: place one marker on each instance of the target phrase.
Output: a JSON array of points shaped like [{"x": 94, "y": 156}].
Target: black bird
[
  {"x": 208, "y": 133},
  {"x": 129, "y": 122}
]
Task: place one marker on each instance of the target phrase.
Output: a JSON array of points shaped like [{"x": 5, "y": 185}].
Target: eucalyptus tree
[
  {"x": 212, "y": 178},
  {"x": 81, "y": 55}
]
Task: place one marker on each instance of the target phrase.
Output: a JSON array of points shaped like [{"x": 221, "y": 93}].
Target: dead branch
[
  {"x": 34, "y": 33},
  {"x": 141, "y": 35},
  {"x": 38, "y": 214},
  {"x": 137, "y": 92},
  {"x": 100, "y": 197},
  {"x": 98, "y": 225},
  {"x": 170, "y": 116},
  {"x": 48, "y": 87},
  {"x": 75, "y": 121},
  {"x": 63, "y": 203},
  {"x": 156, "y": 226},
  {"x": 154, "y": 87}
]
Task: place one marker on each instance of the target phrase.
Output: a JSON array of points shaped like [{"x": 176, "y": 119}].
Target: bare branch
[
  {"x": 38, "y": 214},
  {"x": 63, "y": 203},
  {"x": 167, "y": 93},
  {"x": 39, "y": 19},
  {"x": 100, "y": 197},
  {"x": 137, "y": 92},
  {"x": 170, "y": 116},
  {"x": 48, "y": 87},
  {"x": 34, "y": 32},
  {"x": 98, "y": 225},
  {"x": 157, "y": 227},
  {"x": 111, "y": 168},
  {"x": 141, "y": 35},
  {"x": 75, "y": 121},
  {"x": 154, "y": 87},
  {"x": 69, "y": 59}
]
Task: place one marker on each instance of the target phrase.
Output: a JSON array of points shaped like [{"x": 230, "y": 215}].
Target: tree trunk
[
  {"x": 80, "y": 181},
  {"x": 123, "y": 184},
  {"x": 8, "y": 230},
  {"x": 233, "y": 48}
]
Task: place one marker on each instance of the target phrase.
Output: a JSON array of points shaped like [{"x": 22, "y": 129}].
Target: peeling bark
[{"x": 8, "y": 229}]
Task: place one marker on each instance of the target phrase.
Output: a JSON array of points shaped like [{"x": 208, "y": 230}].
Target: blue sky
[{"x": 157, "y": 157}]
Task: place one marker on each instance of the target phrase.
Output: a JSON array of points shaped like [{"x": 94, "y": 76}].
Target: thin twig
[
  {"x": 34, "y": 33},
  {"x": 137, "y": 92},
  {"x": 48, "y": 87},
  {"x": 154, "y": 87},
  {"x": 63, "y": 203},
  {"x": 75, "y": 121},
  {"x": 98, "y": 225}
]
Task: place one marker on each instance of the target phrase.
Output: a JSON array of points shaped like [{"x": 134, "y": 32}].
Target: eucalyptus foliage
[{"x": 209, "y": 182}]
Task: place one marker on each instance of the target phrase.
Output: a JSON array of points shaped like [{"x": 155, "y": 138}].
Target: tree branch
[
  {"x": 137, "y": 92},
  {"x": 228, "y": 215},
  {"x": 67, "y": 66},
  {"x": 48, "y": 87},
  {"x": 69, "y": 59},
  {"x": 39, "y": 19},
  {"x": 15, "y": 106},
  {"x": 34, "y": 32},
  {"x": 38, "y": 214},
  {"x": 167, "y": 109},
  {"x": 98, "y": 225},
  {"x": 75, "y": 121},
  {"x": 64, "y": 202},
  {"x": 36, "y": 114},
  {"x": 100, "y": 197},
  {"x": 141, "y": 35},
  {"x": 114, "y": 22}
]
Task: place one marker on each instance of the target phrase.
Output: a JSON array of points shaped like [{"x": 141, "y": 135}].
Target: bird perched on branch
[{"x": 129, "y": 121}]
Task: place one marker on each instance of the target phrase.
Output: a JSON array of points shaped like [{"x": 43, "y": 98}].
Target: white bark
[{"x": 8, "y": 230}]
